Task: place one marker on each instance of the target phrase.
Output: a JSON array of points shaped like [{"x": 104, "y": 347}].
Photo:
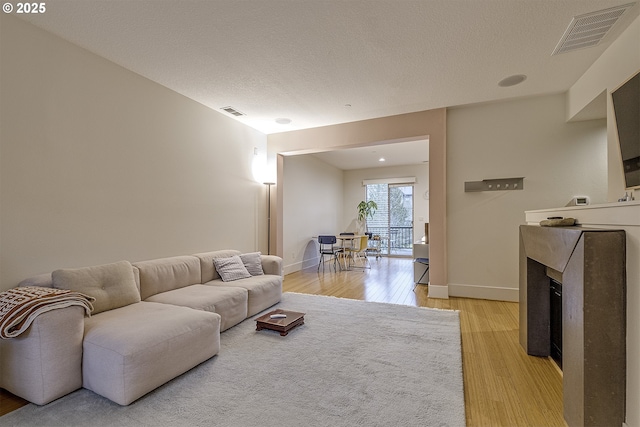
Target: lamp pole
[{"x": 269, "y": 184}]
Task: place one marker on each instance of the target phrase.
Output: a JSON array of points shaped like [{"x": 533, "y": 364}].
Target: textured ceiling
[{"x": 322, "y": 62}]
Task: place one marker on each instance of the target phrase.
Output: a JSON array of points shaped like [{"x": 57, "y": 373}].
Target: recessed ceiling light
[
  {"x": 283, "y": 121},
  {"x": 381, "y": 159},
  {"x": 512, "y": 80}
]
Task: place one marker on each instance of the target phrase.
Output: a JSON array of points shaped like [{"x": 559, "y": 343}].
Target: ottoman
[{"x": 131, "y": 350}]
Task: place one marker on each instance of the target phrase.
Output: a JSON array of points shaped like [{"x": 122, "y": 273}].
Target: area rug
[{"x": 352, "y": 363}]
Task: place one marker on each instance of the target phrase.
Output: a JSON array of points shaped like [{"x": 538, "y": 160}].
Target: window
[{"x": 393, "y": 220}]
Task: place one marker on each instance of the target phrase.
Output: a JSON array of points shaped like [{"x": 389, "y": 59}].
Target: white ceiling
[
  {"x": 323, "y": 62},
  {"x": 397, "y": 154}
]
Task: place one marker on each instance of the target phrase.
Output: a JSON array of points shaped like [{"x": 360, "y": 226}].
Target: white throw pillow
[
  {"x": 231, "y": 268},
  {"x": 253, "y": 263}
]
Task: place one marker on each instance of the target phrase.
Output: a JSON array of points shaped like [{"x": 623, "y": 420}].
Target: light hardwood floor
[
  {"x": 9, "y": 402},
  {"x": 503, "y": 385}
]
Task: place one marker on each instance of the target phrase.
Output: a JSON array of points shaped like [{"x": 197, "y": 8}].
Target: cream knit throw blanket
[{"x": 20, "y": 306}]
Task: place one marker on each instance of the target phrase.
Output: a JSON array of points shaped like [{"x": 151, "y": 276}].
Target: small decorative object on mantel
[
  {"x": 558, "y": 221},
  {"x": 627, "y": 197}
]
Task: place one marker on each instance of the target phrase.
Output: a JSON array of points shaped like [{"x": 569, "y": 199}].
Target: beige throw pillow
[
  {"x": 112, "y": 285},
  {"x": 253, "y": 263}
]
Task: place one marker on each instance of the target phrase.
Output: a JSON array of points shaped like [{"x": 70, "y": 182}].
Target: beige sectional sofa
[{"x": 152, "y": 321}]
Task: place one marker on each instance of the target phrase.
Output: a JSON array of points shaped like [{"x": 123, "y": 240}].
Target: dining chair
[
  {"x": 346, "y": 233},
  {"x": 358, "y": 252},
  {"x": 345, "y": 246},
  {"x": 328, "y": 248},
  {"x": 425, "y": 263}
]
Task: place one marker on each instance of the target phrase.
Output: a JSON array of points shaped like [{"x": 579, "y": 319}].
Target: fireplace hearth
[{"x": 590, "y": 265}]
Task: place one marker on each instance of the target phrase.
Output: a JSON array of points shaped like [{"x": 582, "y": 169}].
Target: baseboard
[
  {"x": 291, "y": 268},
  {"x": 302, "y": 265},
  {"x": 484, "y": 292},
  {"x": 438, "y": 291}
]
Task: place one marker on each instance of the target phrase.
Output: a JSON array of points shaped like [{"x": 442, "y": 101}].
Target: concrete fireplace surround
[{"x": 591, "y": 265}]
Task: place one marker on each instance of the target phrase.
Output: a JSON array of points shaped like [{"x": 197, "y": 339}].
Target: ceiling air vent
[
  {"x": 233, "y": 111},
  {"x": 589, "y": 29}
]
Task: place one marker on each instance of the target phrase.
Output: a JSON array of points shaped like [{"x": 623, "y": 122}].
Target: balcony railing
[{"x": 394, "y": 239}]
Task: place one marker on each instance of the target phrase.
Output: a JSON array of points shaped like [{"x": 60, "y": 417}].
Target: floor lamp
[{"x": 269, "y": 184}]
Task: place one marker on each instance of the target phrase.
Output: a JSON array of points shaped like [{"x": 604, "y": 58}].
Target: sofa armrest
[
  {"x": 272, "y": 264},
  {"x": 45, "y": 362}
]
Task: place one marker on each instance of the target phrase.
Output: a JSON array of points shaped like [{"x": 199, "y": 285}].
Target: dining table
[{"x": 347, "y": 242}]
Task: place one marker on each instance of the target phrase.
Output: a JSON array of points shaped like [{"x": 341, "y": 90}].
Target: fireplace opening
[{"x": 555, "y": 321}]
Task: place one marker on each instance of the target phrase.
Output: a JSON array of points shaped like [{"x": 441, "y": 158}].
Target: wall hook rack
[{"x": 498, "y": 184}]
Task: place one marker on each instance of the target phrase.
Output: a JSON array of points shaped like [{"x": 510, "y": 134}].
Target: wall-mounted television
[{"x": 626, "y": 105}]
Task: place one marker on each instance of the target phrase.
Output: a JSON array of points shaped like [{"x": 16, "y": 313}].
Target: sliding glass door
[{"x": 393, "y": 221}]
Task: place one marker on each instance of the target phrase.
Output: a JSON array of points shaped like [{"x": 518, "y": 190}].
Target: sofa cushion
[
  {"x": 229, "y": 302},
  {"x": 206, "y": 263},
  {"x": 42, "y": 280},
  {"x": 166, "y": 274},
  {"x": 231, "y": 268},
  {"x": 132, "y": 350},
  {"x": 253, "y": 262},
  {"x": 136, "y": 275},
  {"x": 112, "y": 285},
  {"x": 264, "y": 291}
]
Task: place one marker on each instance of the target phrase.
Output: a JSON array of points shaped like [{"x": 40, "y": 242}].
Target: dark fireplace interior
[{"x": 555, "y": 321}]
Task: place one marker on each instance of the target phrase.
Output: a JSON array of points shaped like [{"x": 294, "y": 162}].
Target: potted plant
[{"x": 366, "y": 210}]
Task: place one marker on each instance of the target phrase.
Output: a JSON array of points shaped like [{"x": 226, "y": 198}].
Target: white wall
[
  {"x": 522, "y": 138},
  {"x": 617, "y": 64},
  {"x": 312, "y": 205},
  {"x": 100, "y": 164},
  {"x": 354, "y": 192}
]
